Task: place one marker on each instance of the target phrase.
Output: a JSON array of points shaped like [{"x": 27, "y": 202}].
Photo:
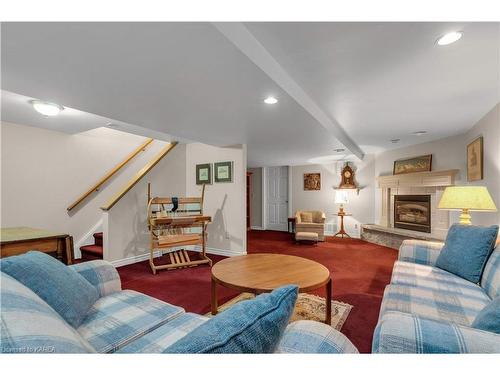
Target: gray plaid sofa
[
  {"x": 428, "y": 310},
  {"x": 124, "y": 321}
]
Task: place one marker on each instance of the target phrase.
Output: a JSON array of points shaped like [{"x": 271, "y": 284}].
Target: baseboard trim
[
  {"x": 143, "y": 257},
  {"x": 215, "y": 251},
  {"x": 133, "y": 259},
  {"x": 256, "y": 228}
]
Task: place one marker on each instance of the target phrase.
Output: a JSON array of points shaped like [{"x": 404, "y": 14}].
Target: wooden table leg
[
  {"x": 328, "y": 319},
  {"x": 214, "y": 297}
]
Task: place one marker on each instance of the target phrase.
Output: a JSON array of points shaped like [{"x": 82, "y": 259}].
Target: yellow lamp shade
[{"x": 466, "y": 198}]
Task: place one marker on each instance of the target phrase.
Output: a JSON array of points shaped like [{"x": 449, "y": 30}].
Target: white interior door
[{"x": 277, "y": 198}]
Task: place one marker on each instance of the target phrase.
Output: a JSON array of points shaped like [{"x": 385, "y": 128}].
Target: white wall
[
  {"x": 450, "y": 153},
  {"x": 489, "y": 128},
  {"x": 44, "y": 171},
  {"x": 361, "y": 206},
  {"x": 225, "y": 202}
]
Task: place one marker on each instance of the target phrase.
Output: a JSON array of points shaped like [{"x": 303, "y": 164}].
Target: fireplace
[{"x": 413, "y": 212}]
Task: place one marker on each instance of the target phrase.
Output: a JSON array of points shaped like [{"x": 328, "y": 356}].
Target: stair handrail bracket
[
  {"x": 138, "y": 176},
  {"x": 108, "y": 175}
]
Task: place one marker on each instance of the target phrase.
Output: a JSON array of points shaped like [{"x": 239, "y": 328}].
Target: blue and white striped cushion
[
  {"x": 30, "y": 325},
  {"x": 101, "y": 274},
  {"x": 491, "y": 276},
  {"x": 434, "y": 304},
  {"x": 119, "y": 318},
  {"x": 431, "y": 278},
  {"x": 164, "y": 336},
  {"x": 405, "y": 333},
  {"x": 307, "y": 336},
  {"x": 420, "y": 252}
]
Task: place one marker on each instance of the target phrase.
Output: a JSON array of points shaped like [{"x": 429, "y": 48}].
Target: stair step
[
  {"x": 98, "y": 238},
  {"x": 94, "y": 250}
]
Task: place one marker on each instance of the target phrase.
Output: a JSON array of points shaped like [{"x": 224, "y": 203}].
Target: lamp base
[{"x": 465, "y": 217}]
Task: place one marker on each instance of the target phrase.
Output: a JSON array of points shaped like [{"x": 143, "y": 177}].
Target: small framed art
[
  {"x": 223, "y": 171},
  {"x": 475, "y": 160},
  {"x": 203, "y": 174}
]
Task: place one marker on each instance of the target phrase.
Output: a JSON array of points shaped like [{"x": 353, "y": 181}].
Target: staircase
[{"x": 92, "y": 252}]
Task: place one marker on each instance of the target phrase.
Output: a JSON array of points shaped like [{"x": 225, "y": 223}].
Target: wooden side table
[
  {"x": 20, "y": 240},
  {"x": 342, "y": 231},
  {"x": 291, "y": 224}
]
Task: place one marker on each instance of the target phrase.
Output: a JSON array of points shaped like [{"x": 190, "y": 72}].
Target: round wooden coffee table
[{"x": 259, "y": 273}]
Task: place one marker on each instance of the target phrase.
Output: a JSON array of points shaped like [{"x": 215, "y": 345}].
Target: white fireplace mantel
[
  {"x": 420, "y": 179},
  {"x": 432, "y": 183}
]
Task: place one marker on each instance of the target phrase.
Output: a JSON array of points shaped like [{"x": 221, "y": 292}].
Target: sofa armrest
[
  {"x": 101, "y": 274},
  {"x": 399, "y": 332},
  {"x": 308, "y": 336},
  {"x": 420, "y": 252}
]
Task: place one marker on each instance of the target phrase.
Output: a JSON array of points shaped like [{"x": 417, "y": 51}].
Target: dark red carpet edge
[{"x": 360, "y": 272}]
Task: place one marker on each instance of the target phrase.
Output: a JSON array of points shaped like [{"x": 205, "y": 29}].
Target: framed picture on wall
[
  {"x": 223, "y": 171},
  {"x": 412, "y": 165},
  {"x": 312, "y": 181},
  {"x": 475, "y": 160},
  {"x": 203, "y": 174}
]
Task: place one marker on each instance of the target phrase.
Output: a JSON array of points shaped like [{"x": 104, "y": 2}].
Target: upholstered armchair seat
[{"x": 311, "y": 221}]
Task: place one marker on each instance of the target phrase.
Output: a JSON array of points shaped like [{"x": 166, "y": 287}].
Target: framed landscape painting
[
  {"x": 223, "y": 171},
  {"x": 203, "y": 174},
  {"x": 475, "y": 160},
  {"x": 412, "y": 165},
  {"x": 312, "y": 181}
]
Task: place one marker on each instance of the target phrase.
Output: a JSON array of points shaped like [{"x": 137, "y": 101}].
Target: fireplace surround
[{"x": 413, "y": 212}]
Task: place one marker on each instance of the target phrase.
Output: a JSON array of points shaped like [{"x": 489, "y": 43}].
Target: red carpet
[{"x": 360, "y": 272}]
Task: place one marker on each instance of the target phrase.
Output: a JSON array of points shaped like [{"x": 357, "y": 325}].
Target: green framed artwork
[
  {"x": 223, "y": 171},
  {"x": 203, "y": 174}
]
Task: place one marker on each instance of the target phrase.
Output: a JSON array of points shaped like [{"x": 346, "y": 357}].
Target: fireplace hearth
[{"x": 413, "y": 212}]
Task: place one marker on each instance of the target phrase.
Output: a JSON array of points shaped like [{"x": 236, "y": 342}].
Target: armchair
[{"x": 311, "y": 221}]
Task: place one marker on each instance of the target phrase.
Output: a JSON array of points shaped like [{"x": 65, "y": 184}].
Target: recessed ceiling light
[
  {"x": 420, "y": 132},
  {"x": 339, "y": 150},
  {"x": 395, "y": 140},
  {"x": 270, "y": 100},
  {"x": 449, "y": 38},
  {"x": 46, "y": 108}
]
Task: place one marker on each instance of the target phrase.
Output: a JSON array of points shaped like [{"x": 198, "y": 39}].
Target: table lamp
[
  {"x": 341, "y": 198},
  {"x": 466, "y": 198}
]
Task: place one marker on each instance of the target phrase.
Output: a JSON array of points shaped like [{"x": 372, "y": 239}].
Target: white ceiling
[{"x": 376, "y": 80}]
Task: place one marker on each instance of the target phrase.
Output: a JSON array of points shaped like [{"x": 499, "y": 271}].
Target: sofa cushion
[
  {"x": 431, "y": 278},
  {"x": 306, "y": 217},
  {"x": 405, "y": 333},
  {"x": 466, "y": 250},
  {"x": 117, "y": 319},
  {"x": 491, "y": 275},
  {"x": 252, "y": 326},
  {"x": 434, "y": 304},
  {"x": 162, "y": 337},
  {"x": 488, "y": 318},
  {"x": 61, "y": 287},
  {"x": 30, "y": 325},
  {"x": 308, "y": 336}
]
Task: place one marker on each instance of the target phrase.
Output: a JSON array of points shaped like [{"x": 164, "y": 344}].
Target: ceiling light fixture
[
  {"x": 449, "y": 38},
  {"x": 270, "y": 100},
  {"x": 46, "y": 108},
  {"x": 419, "y": 133}
]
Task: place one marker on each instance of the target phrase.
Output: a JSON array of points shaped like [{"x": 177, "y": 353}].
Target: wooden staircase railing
[
  {"x": 108, "y": 175},
  {"x": 113, "y": 200}
]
